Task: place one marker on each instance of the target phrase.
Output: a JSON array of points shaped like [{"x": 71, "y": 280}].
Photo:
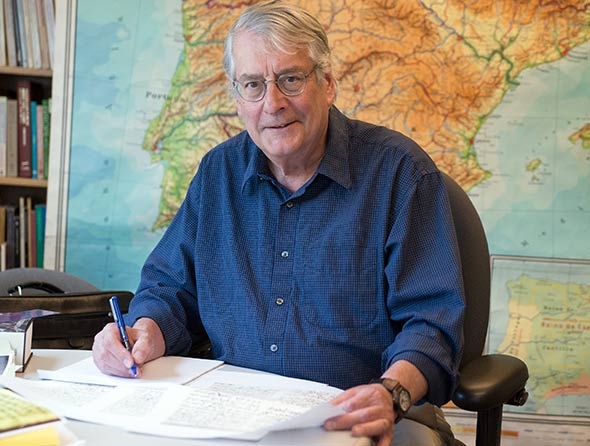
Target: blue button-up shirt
[{"x": 357, "y": 269}]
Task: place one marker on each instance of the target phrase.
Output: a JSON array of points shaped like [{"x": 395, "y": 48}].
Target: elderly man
[{"x": 309, "y": 245}]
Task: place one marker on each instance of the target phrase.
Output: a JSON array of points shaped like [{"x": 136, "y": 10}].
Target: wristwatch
[{"x": 401, "y": 397}]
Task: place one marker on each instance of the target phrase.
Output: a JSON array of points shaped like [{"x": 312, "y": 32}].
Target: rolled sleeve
[{"x": 426, "y": 299}]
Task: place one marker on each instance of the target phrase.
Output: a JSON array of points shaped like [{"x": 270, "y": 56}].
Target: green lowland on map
[{"x": 495, "y": 91}]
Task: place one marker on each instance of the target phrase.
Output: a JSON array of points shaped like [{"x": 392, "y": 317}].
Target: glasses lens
[
  {"x": 291, "y": 84},
  {"x": 252, "y": 90}
]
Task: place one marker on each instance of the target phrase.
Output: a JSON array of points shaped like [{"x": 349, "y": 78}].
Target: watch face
[
  {"x": 401, "y": 396},
  {"x": 404, "y": 400}
]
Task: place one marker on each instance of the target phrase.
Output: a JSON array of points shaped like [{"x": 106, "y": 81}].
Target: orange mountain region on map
[{"x": 432, "y": 70}]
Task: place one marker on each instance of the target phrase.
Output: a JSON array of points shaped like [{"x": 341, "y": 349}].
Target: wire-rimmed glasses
[{"x": 290, "y": 84}]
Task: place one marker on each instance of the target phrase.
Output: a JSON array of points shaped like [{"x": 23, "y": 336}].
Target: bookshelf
[
  {"x": 25, "y": 72},
  {"x": 26, "y": 77}
]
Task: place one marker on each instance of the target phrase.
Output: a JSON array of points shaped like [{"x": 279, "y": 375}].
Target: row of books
[
  {"x": 24, "y": 133},
  {"x": 22, "y": 234},
  {"x": 27, "y": 29}
]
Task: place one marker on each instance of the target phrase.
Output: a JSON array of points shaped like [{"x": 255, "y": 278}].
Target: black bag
[{"x": 80, "y": 315}]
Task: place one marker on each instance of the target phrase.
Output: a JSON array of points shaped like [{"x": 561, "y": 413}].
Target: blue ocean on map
[
  {"x": 114, "y": 189},
  {"x": 537, "y": 200}
]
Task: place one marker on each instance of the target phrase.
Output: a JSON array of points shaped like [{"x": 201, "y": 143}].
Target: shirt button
[
  {"x": 280, "y": 301},
  {"x": 290, "y": 204},
  {"x": 274, "y": 348},
  {"x": 285, "y": 254}
]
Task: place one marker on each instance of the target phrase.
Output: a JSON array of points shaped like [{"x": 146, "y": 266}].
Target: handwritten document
[
  {"x": 219, "y": 404},
  {"x": 164, "y": 370}
]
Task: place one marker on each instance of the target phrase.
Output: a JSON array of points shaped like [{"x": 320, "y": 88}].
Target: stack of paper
[{"x": 183, "y": 398}]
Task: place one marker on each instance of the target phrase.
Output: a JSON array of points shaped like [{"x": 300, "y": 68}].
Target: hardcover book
[
  {"x": 3, "y": 126},
  {"x": 10, "y": 33},
  {"x": 33, "y": 137},
  {"x": 11, "y": 236},
  {"x": 20, "y": 336},
  {"x": 23, "y": 97},
  {"x": 11, "y": 138},
  {"x": 6, "y": 359}
]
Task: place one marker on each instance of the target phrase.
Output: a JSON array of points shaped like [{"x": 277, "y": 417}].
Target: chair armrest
[{"x": 490, "y": 381}]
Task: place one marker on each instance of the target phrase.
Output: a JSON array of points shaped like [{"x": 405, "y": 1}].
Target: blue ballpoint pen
[{"x": 118, "y": 317}]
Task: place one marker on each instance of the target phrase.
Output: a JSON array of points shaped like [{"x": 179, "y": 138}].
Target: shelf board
[
  {"x": 20, "y": 71},
  {"x": 22, "y": 182}
]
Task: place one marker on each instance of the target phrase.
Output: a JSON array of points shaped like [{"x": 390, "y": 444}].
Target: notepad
[
  {"x": 41, "y": 436},
  {"x": 161, "y": 371},
  {"x": 21, "y": 419}
]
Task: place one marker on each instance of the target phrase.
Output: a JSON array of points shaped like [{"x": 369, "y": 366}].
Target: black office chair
[
  {"x": 82, "y": 309},
  {"x": 40, "y": 281},
  {"x": 487, "y": 381}
]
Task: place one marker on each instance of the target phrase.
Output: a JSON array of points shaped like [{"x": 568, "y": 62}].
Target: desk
[{"x": 100, "y": 435}]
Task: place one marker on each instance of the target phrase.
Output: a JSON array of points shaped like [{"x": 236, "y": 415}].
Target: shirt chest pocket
[{"x": 340, "y": 285}]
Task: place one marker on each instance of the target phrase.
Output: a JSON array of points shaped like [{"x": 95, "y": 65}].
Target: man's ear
[
  {"x": 238, "y": 106},
  {"x": 330, "y": 88}
]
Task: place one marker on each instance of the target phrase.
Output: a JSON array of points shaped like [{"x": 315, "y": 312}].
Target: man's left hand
[{"x": 369, "y": 413}]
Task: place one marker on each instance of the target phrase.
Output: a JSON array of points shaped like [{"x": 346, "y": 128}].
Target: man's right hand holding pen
[{"x": 111, "y": 356}]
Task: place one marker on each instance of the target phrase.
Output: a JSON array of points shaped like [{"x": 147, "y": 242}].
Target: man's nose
[{"x": 274, "y": 99}]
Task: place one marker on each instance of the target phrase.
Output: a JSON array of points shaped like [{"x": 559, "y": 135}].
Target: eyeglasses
[{"x": 290, "y": 84}]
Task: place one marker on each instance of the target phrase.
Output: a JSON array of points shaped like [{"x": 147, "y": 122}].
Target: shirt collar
[{"x": 334, "y": 164}]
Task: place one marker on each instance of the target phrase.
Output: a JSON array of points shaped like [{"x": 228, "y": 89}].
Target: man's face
[{"x": 286, "y": 128}]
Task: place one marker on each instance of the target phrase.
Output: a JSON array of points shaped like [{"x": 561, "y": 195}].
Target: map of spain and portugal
[
  {"x": 434, "y": 70},
  {"x": 446, "y": 73}
]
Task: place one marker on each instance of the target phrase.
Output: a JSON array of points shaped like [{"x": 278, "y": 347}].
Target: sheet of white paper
[
  {"x": 223, "y": 405},
  {"x": 164, "y": 370},
  {"x": 255, "y": 379}
]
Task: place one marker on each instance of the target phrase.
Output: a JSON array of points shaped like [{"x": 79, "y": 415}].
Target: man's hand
[
  {"x": 111, "y": 357},
  {"x": 369, "y": 413}
]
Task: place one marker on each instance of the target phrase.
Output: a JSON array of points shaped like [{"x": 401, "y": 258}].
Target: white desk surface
[{"x": 100, "y": 435}]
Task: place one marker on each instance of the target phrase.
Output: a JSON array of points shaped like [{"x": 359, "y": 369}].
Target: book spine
[
  {"x": 2, "y": 238},
  {"x": 3, "y": 132},
  {"x": 2, "y": 36},
  {"x": 10, "y": 33},
  {"x": 40, "y": 212},
  {"x": 11, "y": 236},
  {"x": 43, "y": 42},
  {"x": 11, "y": 138},
  {"x": 2, "y": 224},
  {"x": 34, "y": 34},
  {"x": 21, "y": 41},
  {"x": 33, "y": 136},
  {"x": 50, "y": 24},
  {"x": 31, "y": 259},
  {"x": 28, "y": 34},
  {"x": 3, "y": 256},
  {"x": 24, "y": 128},
  {"x": 22, "y": 233},
  {"x": 46, "y": 134},
  {"x": 40, "y": 142}
]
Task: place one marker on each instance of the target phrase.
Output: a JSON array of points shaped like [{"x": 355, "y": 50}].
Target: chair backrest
[
  {"x": 39, "y": 281},
  {"x": 82, "y": 309},
  {"x": 475, "y": 261}
]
